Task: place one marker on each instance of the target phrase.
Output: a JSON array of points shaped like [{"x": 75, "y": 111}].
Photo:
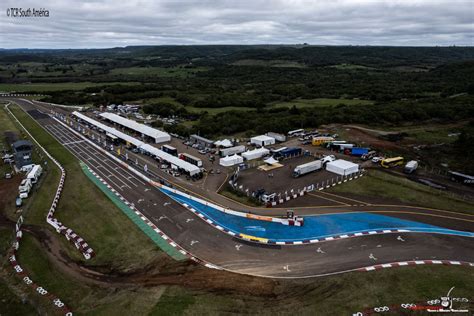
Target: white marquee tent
[
  {"x": 342, "y": 167},
  {"x": 231, "y": 160},
  {"x": 157, "y": 135}
]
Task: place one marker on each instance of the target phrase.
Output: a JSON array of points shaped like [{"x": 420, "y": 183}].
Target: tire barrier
[
  {"x": 21, "y": 272},
  {"x": 60, "y": 228}
]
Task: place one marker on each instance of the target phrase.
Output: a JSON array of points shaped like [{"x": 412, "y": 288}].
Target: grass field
[
  {"x": 269, "y": 63},
  {"x": 378, "y": 183},
  {"x": 343, "y": 294},
  {"x": 40, "y": 87},
  {"x": 213, "y": 111},
  {"x": 310, "y": 103},
  {"x": 82, "y": 298},
  {"x": 350, "y": 67},
  {"x": 179, "y": 72}
]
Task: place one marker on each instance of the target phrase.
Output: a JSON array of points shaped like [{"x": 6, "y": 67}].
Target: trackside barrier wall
[
  {"x": 70, "y": 235},
  {"x": 126, "y": 208}
]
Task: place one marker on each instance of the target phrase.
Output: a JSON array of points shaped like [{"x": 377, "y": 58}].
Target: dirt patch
[{"x": 8, "y": 194}]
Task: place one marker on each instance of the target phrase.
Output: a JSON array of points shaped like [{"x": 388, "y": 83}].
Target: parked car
[
  {"x": 202, "y": 152},
  {"x": 377, "y": 159},
  {"x": 18, "y": 201},
  {"x": 8, "y": 175}
]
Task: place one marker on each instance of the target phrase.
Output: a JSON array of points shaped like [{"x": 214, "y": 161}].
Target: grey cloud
[{"x": 108, "y": 23}]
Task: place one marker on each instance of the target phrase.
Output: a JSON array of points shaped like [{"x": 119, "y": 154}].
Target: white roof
[
  {"x": 109, "y": 129},
  {"x": 271, "y": 161},
  {"x": 223, "y": 143},
  {"x": 262, "y": 138},
  {"x": 188, "y": 167},
  {"x": 158, "y": 135},
  {"x": 231, "y": 160},
  {"x": 343, "y": 164},
  {"x": 252, "y": 154}
]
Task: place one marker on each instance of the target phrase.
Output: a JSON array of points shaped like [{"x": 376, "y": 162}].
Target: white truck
[
  {"x": 411, "y": 166},
  {"x": 24, "y": 188},
  {"x": 307, "y": 168},
  {"x": 35, "y": 173},
  {"x": 27, "y": 168}
]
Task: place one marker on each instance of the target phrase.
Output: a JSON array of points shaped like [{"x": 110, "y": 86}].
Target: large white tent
[
  {"x": 256, "y": 153},
  {"x": 342, "y": 167},
  {"x": 231, "y": 160},
  {"x": 223, "y": 143},
  {"x": 262, "y": 140},
  {"x": 157, "y": 135},
  {"x": 181, "y": 164}
]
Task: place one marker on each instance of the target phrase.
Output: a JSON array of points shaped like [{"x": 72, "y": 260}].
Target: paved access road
[{"x": 209, "y": 244}]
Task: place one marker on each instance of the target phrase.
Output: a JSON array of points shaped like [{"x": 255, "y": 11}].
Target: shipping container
[
  {"x": 359, "y": 151},
  {"x": 289, "y": 152},
  {"x": 231, "y": 151}
]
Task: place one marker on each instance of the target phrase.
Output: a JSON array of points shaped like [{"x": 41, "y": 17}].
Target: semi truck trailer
[{"x": 307, "y": 168}]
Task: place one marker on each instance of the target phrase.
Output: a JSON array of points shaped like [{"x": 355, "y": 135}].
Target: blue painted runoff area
[{"x": 315, "y": 227}]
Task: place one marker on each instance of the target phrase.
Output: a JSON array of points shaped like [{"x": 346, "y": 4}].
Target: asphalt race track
[{"x": 209, "y": 244}]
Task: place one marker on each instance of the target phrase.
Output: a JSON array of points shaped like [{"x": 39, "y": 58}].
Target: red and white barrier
[{"x": 21, "y": 272}]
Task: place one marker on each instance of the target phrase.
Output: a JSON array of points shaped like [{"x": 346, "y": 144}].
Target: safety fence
[
  {"x": 60, "y": 228},
  {"x": 293, "y": 193}
]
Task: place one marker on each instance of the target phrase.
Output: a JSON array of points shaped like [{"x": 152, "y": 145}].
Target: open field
[
  {"x": 213, "y": 111},
  {"x": 334, "y": 295},
  {"x": 322, "y": 102},
  {"x": 379, "y": 184},
  {"x": 80, "y": 296},
  {"x": 269, "y": 63},
  {"x": 179, "y": 72}
]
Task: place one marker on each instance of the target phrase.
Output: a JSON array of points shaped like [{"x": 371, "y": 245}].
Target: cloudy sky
[{"x": 111, "y": 23}]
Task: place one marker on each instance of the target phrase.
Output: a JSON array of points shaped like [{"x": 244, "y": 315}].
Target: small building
[
  {"x": 22, "y": 151},
  {"x": 255, "y": 154},
  {"x": 231, "y": 160},
  {"x": 224, "y": 143},
  {"x": 262, "y": 140},
  {"x": 342, "y": 167},
  {"x": 196, "y": 139},
  {"x": 278, "y": 137}
]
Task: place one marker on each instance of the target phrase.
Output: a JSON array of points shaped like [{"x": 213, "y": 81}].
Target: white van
[
  {"x": 27, "y": 168},
  {"x": 24, "y": 188},
  {"x": 35, "y": 173}
]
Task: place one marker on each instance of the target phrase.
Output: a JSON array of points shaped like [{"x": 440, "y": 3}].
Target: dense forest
[{"x": 396, "y": 85}]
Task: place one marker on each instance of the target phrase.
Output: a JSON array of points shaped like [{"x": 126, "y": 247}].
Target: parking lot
[{"x": 280, "y": 180}]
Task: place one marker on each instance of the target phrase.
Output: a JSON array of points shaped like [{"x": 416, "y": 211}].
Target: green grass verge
[
  {"x": 380, "y": 184},
  {"x": 157, "y": 239},
  {"x": 315, "y": 103},
  {"x": 87, "y": 210}
]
